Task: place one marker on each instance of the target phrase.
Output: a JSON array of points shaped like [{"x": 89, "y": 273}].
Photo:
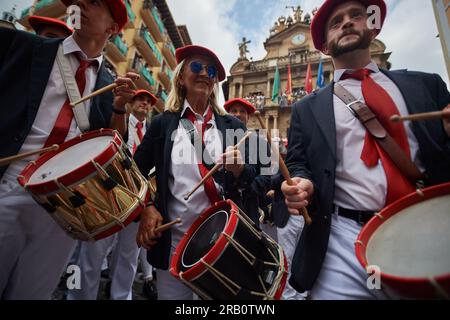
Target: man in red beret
[
  {"x": 123, "y": 243},
  {"x": 49, "y": 27},
  {"x": 342, "y": 174},
  {"x": 34, "y": 250}
]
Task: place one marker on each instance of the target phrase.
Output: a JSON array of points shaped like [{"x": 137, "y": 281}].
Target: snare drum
[
  {"x": 90, "y": 185},
  {"x": 223, "y": 256},
  {"x": 409, "y": 241}
]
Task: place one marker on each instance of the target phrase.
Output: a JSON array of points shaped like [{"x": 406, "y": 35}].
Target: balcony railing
[
  {"x": 148, "y": 76},
  {"x": 161, "y": 27},
  {"x": 121, "y": 45},
  {"x": 130, "y": 12},
  {"x": 38, "y": 6},
  {"x": 153, "y": 46}
]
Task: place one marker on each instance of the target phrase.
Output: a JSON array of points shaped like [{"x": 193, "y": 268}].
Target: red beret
[
  {"x": 37, "y": 22},
  {"x": 116, "y": 7},
  {"x": 321, "y": 17},
  {"x": 187, "y": 51},
  {"x": 145, "y": 92},
  {"x": 247, "y": 105}
]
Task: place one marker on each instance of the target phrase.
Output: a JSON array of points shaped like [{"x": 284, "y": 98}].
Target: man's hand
[
  {"x": 124, "y": 92},
  {"x": 232, "y": 159},
  {"x": 298, "y": 195},
  {"x": 446, "y": 119},
  {"x": 150, "y": 220}
]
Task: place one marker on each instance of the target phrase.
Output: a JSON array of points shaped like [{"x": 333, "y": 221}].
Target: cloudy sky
[{"x": 409, "y": 33}]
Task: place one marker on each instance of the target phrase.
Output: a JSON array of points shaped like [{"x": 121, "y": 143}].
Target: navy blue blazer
[
  {"x": 155, "y": 151},
  {"x": 312, "y": 155},
  {"x": 26, "y": 61}
]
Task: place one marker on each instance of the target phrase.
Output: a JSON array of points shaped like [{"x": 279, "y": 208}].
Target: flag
[
  {"x": 308, "y": 80},
  {"x": 289, "y": 84},
  {"x": 320, "y": 78},
  {"x": 276, "y": 85}
]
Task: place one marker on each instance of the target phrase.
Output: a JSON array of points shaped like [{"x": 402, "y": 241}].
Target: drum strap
[
  {"x": 79, "y": 111},
  {"x": 369, "y": 120}
]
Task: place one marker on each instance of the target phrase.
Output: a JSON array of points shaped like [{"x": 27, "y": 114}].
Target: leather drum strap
[{"x": 369, "y": 120}]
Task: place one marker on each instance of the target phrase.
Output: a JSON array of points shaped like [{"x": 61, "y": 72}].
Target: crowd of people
[{"x": 341, "y": 173}]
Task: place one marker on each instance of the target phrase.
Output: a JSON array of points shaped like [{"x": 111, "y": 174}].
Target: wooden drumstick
[
  {"x": 214, "y": 169},
  {"x": 167, "y": 226},
  {"x": 422, "y": 116},
  {"x": 8, "y": 160},
  {"x": 283, "y": 168},
  {"x": 110, "y": 87}
]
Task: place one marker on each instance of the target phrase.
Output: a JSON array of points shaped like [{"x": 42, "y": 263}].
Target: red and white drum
[
  {"x": 223, "y": 256},
  {"x": 409, "y": 241},
  {"x": 90, "y": 185}
]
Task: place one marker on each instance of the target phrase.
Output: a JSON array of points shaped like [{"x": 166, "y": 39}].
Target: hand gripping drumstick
[
  {"x": 422, "y": 116},
  {"x": 110, "y": 87},
  {"x": 8, "y": 160},
  {"x": 214, "y": 169},
  {"x": 283, "y": 168},
  {"x": 167, "y": 226}
]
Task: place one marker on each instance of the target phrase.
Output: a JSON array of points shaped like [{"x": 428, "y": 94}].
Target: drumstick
[
  {"x": 214, "y": 169},
  {"x": 110, "y": 87},
  {"x": 167, "y": 226},
  {"x": 283, "y": 168},
  {"x": 422, "y": 116},
  {"x": 21, "y": 156}
]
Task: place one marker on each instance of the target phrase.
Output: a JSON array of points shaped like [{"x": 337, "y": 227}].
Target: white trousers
[
  {"x": 287, "y": 239},
  {"x": 147, "y": 269},
  {"x": 34, "y": 250},
  {"x": 123, "y": 265},
  {"x": 342, "y": 277}
]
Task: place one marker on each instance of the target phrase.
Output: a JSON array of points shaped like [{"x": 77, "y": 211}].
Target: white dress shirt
[
  {"x": 357, "y": 186},
  {"x": 132, "y": 131},
  {"x": 52, "y": 101},
  {"x": 184, "y": 174}
]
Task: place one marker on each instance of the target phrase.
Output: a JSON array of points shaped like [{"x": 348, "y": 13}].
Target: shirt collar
[
  {"x": 70, "y": 46},
  {"x": 134, "y": 121},
  {"x": 197, "y": 116},
  {"x": 339, "y": 72}
]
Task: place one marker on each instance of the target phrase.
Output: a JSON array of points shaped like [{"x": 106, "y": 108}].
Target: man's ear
[
  {"x": 113, "y": 29},
  {"x": 325, "y": 49}
]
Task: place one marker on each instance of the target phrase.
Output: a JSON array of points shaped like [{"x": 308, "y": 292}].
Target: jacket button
[{"x": 327, "y": 172}]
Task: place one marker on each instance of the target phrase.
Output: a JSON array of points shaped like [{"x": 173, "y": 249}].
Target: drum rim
[
  {"x": 215, "y": 252},
  {"x": 77, "y": 174},
  {"x": 372, "y": 226}
]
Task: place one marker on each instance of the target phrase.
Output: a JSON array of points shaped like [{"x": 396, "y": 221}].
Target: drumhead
[
  {"x": 414, "y": 243},
  {"x": 204, "y": 238},
  {"x": 70, "y": 159}
]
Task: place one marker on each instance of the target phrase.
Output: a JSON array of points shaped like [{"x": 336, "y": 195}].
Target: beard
[{"x": 363, "y": 42}]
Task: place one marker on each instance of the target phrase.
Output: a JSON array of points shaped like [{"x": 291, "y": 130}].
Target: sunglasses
[{"x": 197, "y": 67}]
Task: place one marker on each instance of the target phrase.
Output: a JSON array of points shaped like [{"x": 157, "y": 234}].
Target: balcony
[
  {"x": 48, "y": 8},
  {"x": 131, "y": 16},
  {"x": 149, "y": 14},
  {"x": 148, "y": 76},
  {"x": 116, "y": 50},
  {"x": 165, "y": 76},
  {"x": 147, "y": 48},
  {"x": 169, "y": 53}
]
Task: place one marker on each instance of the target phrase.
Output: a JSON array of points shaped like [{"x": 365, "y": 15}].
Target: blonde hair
[{"x": 177, "y": 95}]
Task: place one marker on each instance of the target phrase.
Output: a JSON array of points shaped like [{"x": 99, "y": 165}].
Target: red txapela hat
[
  {"x": 247, "y": 105},
  {"x": 116, "y": 7},
  {"x": 321, "y": 17},
  {"x": 141, "y": 92},
  {"x": 37, "y": 22},
  {"x": 190, "y": 50}
]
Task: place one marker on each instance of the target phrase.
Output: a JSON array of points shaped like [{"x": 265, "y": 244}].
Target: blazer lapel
[
  {"x": 223, "y": 123},
  {"x": 323, "y": 112},
  {"x": 44, "y": 53}
]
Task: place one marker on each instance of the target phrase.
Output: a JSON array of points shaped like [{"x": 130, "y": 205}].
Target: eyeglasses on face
[{"x": 197, "y": 67}]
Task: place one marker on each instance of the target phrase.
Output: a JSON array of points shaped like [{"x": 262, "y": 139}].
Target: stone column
[{"x": 267, "y": 116}]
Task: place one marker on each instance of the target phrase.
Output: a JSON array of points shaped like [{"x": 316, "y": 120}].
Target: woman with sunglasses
[{"x": 192, "y": 114}]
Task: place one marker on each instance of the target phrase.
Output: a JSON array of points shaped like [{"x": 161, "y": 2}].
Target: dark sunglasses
[{"x": 197, "y": 67}]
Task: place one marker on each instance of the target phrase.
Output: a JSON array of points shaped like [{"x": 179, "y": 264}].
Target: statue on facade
[
  {"x": 297, "y": 13},
  {"x": 243, "y": 49},
  {"x": 307, "y": 19}
]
